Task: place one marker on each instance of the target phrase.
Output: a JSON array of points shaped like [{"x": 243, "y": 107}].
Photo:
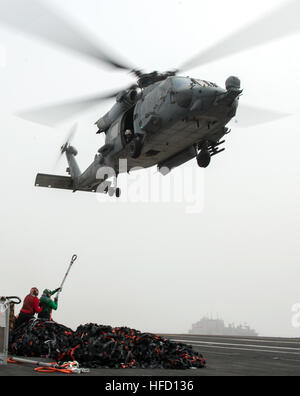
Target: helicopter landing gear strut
[
  {"x": 135, "y": 147},
  {"x": 112, "y": 188},
  {"x": 114, "y": 191}
]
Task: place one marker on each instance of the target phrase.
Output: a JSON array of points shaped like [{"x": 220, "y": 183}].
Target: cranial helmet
[
  {"x": 34, "y": 291},
  {"x": 47, "y": 292}
]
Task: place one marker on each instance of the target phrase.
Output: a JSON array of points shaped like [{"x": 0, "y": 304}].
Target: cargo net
[{"x": 95, "y": 346}]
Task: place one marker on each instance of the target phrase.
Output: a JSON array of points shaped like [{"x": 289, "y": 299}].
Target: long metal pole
[
  {"x": 74, "y": 258},
  {"x": 33, "y": 362}
]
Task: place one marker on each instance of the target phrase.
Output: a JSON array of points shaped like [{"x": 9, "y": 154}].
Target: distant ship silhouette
[{"x": 208, "y": 326}]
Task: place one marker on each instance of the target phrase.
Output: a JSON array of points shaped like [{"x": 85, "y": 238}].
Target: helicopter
[{"x": 165, "y": 119}]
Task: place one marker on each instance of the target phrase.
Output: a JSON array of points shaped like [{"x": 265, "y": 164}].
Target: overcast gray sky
[{"x": 153, "y": 266}]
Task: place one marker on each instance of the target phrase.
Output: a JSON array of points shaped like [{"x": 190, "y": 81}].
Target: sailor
[
  {"x": 30, "y": 307},
  {"x": 47, "y": 304},
  {"x": 128, "y": 135}
]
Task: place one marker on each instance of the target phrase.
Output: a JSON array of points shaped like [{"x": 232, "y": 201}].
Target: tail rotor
[{"x": 67, "y": 144}]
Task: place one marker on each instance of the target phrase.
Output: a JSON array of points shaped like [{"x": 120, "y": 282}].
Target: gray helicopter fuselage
[{"x": 171, "y": 117}]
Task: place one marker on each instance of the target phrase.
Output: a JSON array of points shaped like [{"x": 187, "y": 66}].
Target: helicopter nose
[
  {"x": 204, "y": 98},
  {"x": 211, "y": 96},
  {"x": 233, "y": 92}
]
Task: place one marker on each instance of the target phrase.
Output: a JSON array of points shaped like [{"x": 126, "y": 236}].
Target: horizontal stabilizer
[
  {"x": 66, "y": 183},
  {"x": 52, "y": 181}
]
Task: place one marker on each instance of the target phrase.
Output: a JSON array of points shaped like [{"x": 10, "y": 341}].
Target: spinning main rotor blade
[
  {"x": 275, "y": 25},
  {"x": 36, "y": 18},
  {"x": 249, "y": 116},
  {"x": 55, "y": 114},
  {"x": 71, "y": 134}
]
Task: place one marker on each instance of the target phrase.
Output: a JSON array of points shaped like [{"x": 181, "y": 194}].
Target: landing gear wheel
[
  {"x": 112, "y": 191},
  {"x": 135, "y": 148},
  {"x": 118, "y": 192},
  {"x": 204, "y": 158}
]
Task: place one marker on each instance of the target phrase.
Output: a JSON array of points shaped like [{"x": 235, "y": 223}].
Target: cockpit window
[
  {"x": 181, "y": 83},
  {"x": 204, "y": 83}
]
